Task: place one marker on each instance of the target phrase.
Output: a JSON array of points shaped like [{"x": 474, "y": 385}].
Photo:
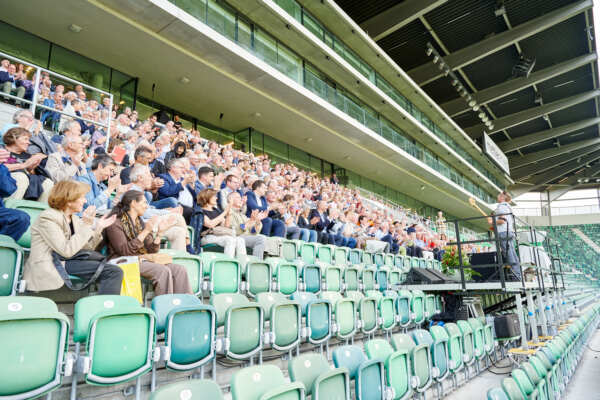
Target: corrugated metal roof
[{"x": 461, "y": 23}]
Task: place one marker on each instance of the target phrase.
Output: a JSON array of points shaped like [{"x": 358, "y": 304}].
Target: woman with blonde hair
[{"x": 59, "y": 231}]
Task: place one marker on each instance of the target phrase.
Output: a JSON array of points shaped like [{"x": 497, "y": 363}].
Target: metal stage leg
[
  {"x": 524, "y": 344},
  {"x": 532, "y": 319}
]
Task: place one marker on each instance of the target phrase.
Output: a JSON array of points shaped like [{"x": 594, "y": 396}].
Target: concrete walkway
[{"x": 585, "y": 384}]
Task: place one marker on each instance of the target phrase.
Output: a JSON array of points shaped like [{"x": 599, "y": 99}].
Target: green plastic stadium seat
[
  {"x": 417, "y": 307},
  {"x": 420, "y": 359},
  {"x": 33, "y": 342},
  {"x": 308, "y": 252},
  {"x": 496, "y": 394},
  {"x": 430, "y": 308},
  {"x": 367, "y": 277},
  {"x": 510, "y": 387},
  {"x": 478, "y": 338},
  {"x": 243, "y": 322},
  {"x": 194, "y": 389},
  {"x": 388, "y": 260},
  {"x": 285, "y": 320},
  {"x": 367, "y": 311},
  {"x": 120, "y": 337},
  {"x": 193, "y": 266},
  {"x": 318, "y": 314},
  {"x": 395, "y": 277},
  {"x": 545, "y": 373},
  {"x": 369, "y": 375},
  {"x": 344, "y": 314},
  {"x": 382, "y": 278},
  {"x": 528, "y": 390},
  {"x": 367, "y": 258},
  {"x": 397, "y": 366},
  {"x": 351, "y": 278},
  {"x": 340, "y": 256},
  {"x": 258, "y": 276},
  {"x": 468, "y": 344},
  {"x": 189, "y": 327},
  {"x": 355, "y": 256},
  {"x": 455, "y": 347},
  {"x": 11, "y": 255},
  {"x": 224, "y": 272},
  {"x": 320, "y": 381},
  {"x": 33, "y": 209},
  {"x": 538, "y": 381},
  {"x": 414, "y": 262},
  {"x": 379, "y": 259},
  {"x": 437, "y": 350},
  {"x": 288, "y": 250},
  {"x": 402, "y": 305},
  {"x": 311, "y": 278},
  {"x": 325, "y": 253},
  {"x": 286, "y": 275},
  {"x": 333, "y": 278},
  {"x": 264, "y": 382}
]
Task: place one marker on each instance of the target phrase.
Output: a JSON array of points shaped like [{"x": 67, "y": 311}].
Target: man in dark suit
[
  {"x": 256, "y": 201},
  {"x": 176, "y": 181},
  {"x": 320, "y": 222}
]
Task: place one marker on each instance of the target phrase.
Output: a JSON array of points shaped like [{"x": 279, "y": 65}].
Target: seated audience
[
  {"x": 129, "y": 235},
  {"x": 67, "y": 163},
  {"x": 13, "y": 222},
  {"x": 217, "y": 228},
  {"x": 99, "y": 196},
  {"x": 141, "y": 180},
  {"x": 59, "y": 230},
  {"x": 32, "y": 184},
  {"x": 246, "y": 228},
  {"x": 255, "y": 200}
]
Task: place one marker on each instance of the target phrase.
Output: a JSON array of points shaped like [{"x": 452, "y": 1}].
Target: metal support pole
[
  {"x": 543, "y": 319},
  {"x": 36, "y": 87},
  {"x": 518, "y": 300},
  {"x": 532, "y": 319}
]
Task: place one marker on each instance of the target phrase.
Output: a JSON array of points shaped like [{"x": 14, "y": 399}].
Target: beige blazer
[{"x": 51, "y": 232}]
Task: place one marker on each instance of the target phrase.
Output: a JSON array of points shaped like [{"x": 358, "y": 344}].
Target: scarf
[{"x": 132, "y": 229}]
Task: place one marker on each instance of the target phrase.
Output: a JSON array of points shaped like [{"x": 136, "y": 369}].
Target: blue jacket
[
  {"x": 96, "y": 196},
  {"x": 252, "y": 203},
  {"x": 7, "y": 184},
  {"x": 170, "y": 188},
  {"x": 5, "y": 77}
]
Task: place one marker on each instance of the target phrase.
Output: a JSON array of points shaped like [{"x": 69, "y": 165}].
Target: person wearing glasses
[{"x": 103, "y": 169}]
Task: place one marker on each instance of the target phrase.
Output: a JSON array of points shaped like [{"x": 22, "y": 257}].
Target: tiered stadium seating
[
  {"x": 573, "y": 250},
  {"x": 546, "y": 374}
]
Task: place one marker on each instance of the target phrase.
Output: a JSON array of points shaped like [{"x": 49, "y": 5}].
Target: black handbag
[{"x": 82, "y": 258}]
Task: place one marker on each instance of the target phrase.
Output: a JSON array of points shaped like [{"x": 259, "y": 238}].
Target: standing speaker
[{"x": 507, "y": 326}]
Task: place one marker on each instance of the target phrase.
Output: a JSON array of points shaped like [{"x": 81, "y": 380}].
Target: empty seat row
[
  {"x": 545, "y": 374},
  {"x": 116, "y": 339}
]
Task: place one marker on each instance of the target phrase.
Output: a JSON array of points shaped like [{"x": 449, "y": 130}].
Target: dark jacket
[
  {"x": 170, "y": 187},
  {"x": 7, "y": 184},
  {"x": 323, "y": 224},
  {"x": 252, "y": 204}
]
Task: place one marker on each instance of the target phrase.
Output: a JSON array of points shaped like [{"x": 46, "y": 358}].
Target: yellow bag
[{"x": 132, "y": 284}]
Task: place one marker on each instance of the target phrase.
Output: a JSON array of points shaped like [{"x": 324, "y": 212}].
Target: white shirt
[{"x": 504, "y": 208}]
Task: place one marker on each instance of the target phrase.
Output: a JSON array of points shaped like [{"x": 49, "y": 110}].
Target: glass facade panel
[
  {"x": 80, "y": 68},
  {"x": 221, "y": 18},
  {"x": 24, "y": 45},
  {"x": 299, "y": 158},
  {"x": 276, "y": 149},
  {"x": 244, "y": 34},
  {"x": 242, "y": 141},
  {"x": 196, "y": 8}
]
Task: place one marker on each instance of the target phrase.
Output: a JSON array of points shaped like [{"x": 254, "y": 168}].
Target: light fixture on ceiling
[
  {"x": 475, "y": 108},
  {"x": 436, "y": 59},
  {"x": 472, "y": 103},
  {"x": 481, "y": 115},
  {"x": 423, "y": 187},
  {"x": 429, "y": 51},
  {"x": 256, "y": 115},
  {"x": 184, "y": 80},
  {"x": 490, "y": 126},
  {"x": 308, "y": 139},
  {"x": 75, "y": 28}
]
